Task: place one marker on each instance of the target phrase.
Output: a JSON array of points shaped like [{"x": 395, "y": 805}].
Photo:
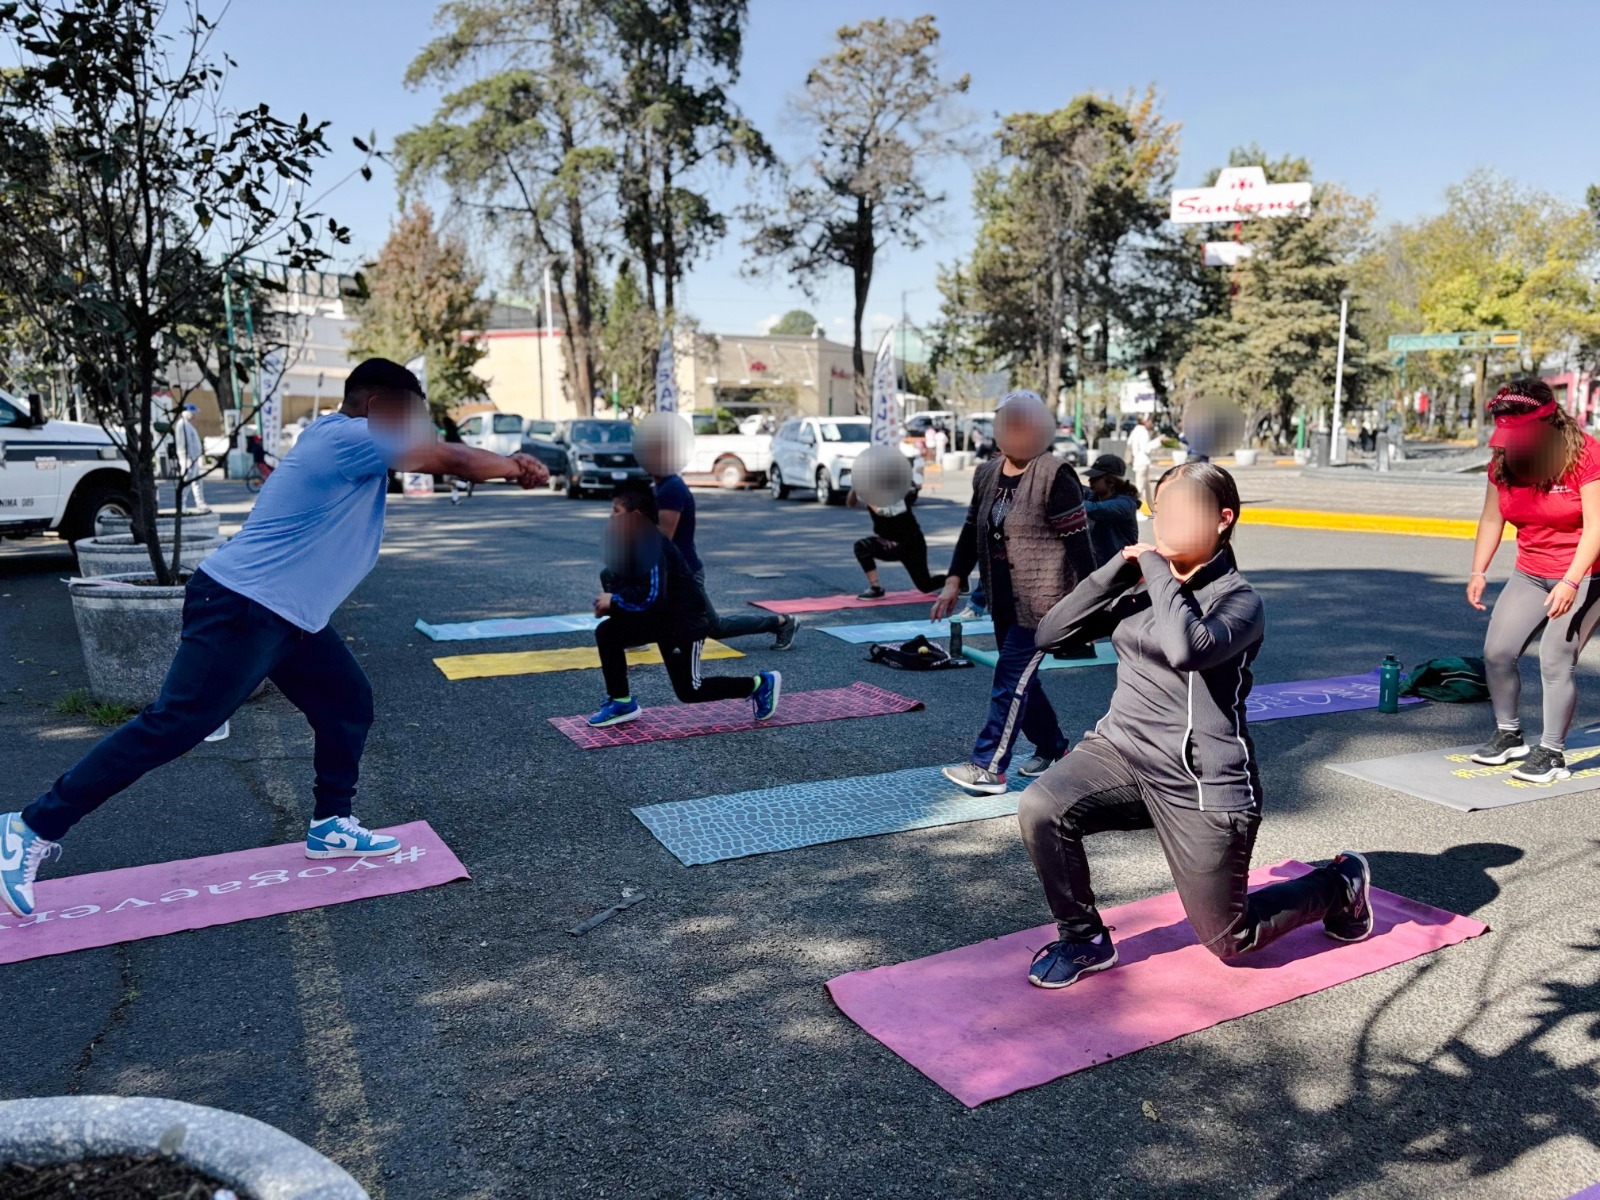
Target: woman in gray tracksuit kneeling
[{"x": 1173, "y": 754}]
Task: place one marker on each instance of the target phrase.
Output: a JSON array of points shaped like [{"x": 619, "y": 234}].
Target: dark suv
[{"x": 591, "y": 455}]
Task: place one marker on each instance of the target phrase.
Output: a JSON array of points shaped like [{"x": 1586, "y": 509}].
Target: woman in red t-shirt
[{"x": 1544, "y": 478}]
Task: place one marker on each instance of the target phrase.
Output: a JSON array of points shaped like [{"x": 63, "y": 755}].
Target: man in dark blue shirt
[{"x": 677, "y": 520}]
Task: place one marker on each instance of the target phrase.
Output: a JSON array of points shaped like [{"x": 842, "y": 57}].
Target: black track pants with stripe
[{"x": 680, "y": 652}]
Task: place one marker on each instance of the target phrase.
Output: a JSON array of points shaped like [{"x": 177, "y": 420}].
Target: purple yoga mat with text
[
  {"x": 970, "y": 1021},
  {"x": 816, "y": 604},
  {"x": 1309, "y": 697},
  {"x": 79, "y": 912},
  {"x": 734, "y": 716}
]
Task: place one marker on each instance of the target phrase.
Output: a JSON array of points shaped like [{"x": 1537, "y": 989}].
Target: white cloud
[{"x": 766, "y": 323}]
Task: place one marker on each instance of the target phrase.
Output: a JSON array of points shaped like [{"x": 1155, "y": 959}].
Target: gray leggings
[{"x": 1518, "y": 618}]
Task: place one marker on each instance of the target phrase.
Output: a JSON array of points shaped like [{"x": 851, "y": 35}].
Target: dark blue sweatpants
[
  {"x": 1017, "y": 703},
  {"x": 230, "y": 644}
]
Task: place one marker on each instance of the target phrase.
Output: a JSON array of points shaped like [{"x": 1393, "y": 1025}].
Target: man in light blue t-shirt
[{"x": 258, "y": 608}]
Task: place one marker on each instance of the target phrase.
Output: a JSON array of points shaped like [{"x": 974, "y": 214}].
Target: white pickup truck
[
  {"x": 723, "y": 454},
  {"x": 56, "y": 475}
]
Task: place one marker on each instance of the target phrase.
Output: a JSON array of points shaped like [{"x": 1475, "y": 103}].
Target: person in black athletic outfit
[
  {"x": 1173, "y": 754},
  {"x": 896, "y": 537}
]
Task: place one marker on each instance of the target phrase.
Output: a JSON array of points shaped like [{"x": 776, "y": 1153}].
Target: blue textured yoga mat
[
  {"x": 903, "y": 631},
  {"x": 808, "y": 814},
  {"x": 499, "y": 627},
  {"x": 1104, "y": 656}
]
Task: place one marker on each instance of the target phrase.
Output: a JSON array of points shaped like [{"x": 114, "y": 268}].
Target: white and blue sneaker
[
  {"x": 21, "y": 852},
  {"x": 346, "y": 837},
  {"x": 615, "y": 712},
  {"x": 765, "y": 697}
]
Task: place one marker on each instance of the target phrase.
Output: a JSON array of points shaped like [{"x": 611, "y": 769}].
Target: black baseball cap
[
  {"x": 1108, "y": 464},
  {"x": 383, "y": 374}
]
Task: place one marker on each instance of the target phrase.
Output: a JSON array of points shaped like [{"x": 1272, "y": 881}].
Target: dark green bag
[{"x": 1452, "y": 680}]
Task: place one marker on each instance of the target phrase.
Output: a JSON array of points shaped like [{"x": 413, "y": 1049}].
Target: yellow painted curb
[
  {"x": 540, "y": 662},
  {"x": 1348, "y": 522}
]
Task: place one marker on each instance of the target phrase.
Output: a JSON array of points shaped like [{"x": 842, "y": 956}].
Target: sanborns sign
[{"x": 1240, "y": 194}]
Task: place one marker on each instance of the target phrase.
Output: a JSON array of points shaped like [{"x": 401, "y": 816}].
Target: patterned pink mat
[
  {"x": 734, "y": 716},
  {"x": 816, "y": 604},
  {"x": 78, "y": 912}
]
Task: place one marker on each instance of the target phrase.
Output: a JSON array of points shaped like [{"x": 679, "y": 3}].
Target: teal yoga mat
[
  {"x": 1104, "y": 656},
  {"x": 765, "y": 820}
]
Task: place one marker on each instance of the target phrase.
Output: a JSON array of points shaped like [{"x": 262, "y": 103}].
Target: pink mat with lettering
[
  {"x": 815, "y": 604},
  {"x": 970, "y": 1021},
  {"x": 669, "y": 721},
  {"x": 79, "y": 912}
]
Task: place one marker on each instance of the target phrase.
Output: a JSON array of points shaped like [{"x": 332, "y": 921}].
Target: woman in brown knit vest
[{"x": 1028, "y": 534}]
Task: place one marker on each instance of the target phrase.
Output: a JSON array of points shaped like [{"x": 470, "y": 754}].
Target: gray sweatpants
[{"x": 1518, "y": 618}]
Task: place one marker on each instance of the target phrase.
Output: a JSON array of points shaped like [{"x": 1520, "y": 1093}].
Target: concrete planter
[
  {"x": 258, "y": 1160},
  {"x": 955, "y": 460},
  {"x": 195, "y": 524},
  {"x": 1179, "y": 457},
  {"x": 1302, "y": 457},
  {"x": 1245, "y": 458},
  {"x": 119, "y": 554},
  {"x": 128, "y": 634}
]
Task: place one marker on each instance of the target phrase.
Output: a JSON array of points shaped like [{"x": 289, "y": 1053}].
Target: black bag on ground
[
  {"x": 919, "y": 654},
  {"x": 1450, "y": 680}
]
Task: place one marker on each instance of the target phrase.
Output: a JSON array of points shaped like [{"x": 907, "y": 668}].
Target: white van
[
  {"x": 817, "y": 454},
  {"x": 497, "y": 431},
  {"x": 56, "y": 475}
]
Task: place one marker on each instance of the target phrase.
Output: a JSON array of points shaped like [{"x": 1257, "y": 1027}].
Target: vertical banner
[
  {"x": 666, "y": 375},
  {"x": 886, "y": 427},
  {"x": 271, "y": 411},
  {"x": 418, "y": 366}
]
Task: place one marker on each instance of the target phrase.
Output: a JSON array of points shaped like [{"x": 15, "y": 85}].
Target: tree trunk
[
  {"x": 1052, "y": 359},
  {"x": 1480, "y": 383},
  {"x": 669, "y": 238},
  {"x": 578, "y": 371},
  {"x": 865, "y": 252}
]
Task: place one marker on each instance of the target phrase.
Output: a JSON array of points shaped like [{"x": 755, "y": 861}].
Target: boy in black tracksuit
[
  {"x": 896, "y": 537},
  {"x": 651, "y": 596}
]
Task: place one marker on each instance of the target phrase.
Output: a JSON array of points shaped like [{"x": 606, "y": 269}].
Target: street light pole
[{"x": 1337, "y": 444}]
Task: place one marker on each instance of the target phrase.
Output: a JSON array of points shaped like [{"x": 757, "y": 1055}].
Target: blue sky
[{"x": 1394, "y": 100}]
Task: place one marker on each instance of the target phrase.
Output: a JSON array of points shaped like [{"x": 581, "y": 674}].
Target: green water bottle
[
  {"x": 955, "y": 637},
  {"x": 1389, "y": 685}
]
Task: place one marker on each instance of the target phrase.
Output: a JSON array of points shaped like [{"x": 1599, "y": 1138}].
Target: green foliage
[
  {"x": 629, "y": 340},
  {"x": 796, "y": 322},
  {"x": 422, "y": 297},
  {"x": 128, "y": 193},
  {"x": 79, "y": 703},
  {"x": 879, "y": 113},
  {"x": 1273, "y": 351}
]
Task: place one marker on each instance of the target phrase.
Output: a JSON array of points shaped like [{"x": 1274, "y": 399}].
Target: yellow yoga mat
[{"x": 539, "y": 662}]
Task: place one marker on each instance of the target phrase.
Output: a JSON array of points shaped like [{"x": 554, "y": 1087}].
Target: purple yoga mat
[
  {"x": 83, "y": 911},
  {"x": 671, "y": 721},
  {"x": 1308, "y": 697},
  {"x": 970, "y": 1021}
]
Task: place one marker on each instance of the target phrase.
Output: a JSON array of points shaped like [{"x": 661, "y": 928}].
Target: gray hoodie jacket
[{"x": 1184, "y": 652}]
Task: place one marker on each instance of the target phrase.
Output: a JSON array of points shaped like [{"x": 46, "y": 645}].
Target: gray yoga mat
[
  {"x": 1450, "y": 777},
  {"x": 903, "y": 631}
]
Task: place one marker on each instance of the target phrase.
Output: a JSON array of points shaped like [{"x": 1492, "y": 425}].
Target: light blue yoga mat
[
  {"x": 715, "y": 828},
  {"x": 1104, "y": 656},
  {"x": 903, "y": 631},
  {"x": 499, "y": 627}
]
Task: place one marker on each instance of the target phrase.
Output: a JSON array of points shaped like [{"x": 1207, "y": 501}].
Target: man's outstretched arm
[{"x": 480, "y": 466}]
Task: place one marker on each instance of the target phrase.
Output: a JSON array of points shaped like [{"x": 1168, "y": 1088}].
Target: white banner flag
[
  {"x": 666, "y": 376},
  {"x": 271, "y": 380},
  {"x": 886, "y": 427}
]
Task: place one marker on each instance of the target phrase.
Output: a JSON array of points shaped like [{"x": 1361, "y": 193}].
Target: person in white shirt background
[
  {"x": 191, "y": 461},
  {"x": 1140, "y": 442}
]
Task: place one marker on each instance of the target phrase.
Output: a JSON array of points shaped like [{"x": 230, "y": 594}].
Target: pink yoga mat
[
  {"x": 82, "y": 911},
  {"x": 734, "y": 716},
  {"x": 970, "y": 1021},
  {"x": 814, "y": 604}
]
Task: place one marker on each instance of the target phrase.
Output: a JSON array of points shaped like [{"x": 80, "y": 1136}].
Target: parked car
[
  {"x": 539, "y": 427},
  {"x": 723, "y": 454},
  {"x": 56, "y": 475},
  {"x": 590, "y": 455},
  {"x": 817, "y": 453},
  {"x": 496, "y": 431},
  {"x": 1069, "y": 449}
]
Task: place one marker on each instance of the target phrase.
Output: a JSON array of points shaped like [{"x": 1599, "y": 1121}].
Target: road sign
[
  {"x": 1475, "y": 339},
  {"x": 1239, "y": 194}
]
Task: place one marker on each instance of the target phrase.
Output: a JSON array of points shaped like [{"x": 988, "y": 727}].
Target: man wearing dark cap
[
  {"x": 258, "y": 608},
  {"x": 1113, "y": 508}
]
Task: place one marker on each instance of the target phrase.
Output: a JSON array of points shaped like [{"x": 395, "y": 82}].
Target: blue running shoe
[
  {"x": 21, "y": 852},
  {"x": 1063, "y": 963},
  {"x": 765, "y": 697},
  {"x": 615, "y": 712},
  {"x": 346, "y": 837}
]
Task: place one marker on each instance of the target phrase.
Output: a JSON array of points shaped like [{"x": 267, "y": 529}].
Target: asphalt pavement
[{"x": 457, "y": 1042}]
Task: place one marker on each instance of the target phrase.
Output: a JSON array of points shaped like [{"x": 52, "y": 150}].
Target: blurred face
[
  {"x": 1537, "y": 454},
  {"x": 1189, "y": 523},
  {"x": 1100, "y": 487},
  {"x": 662, "y": 443},
  {"x": 628, "y": 546},
  {"x": 400, "y": 419},
  {"x": 1023, "y": 430}
]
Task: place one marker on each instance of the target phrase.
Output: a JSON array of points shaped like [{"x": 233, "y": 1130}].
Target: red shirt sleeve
[{"x": 1588, "y": 468}]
